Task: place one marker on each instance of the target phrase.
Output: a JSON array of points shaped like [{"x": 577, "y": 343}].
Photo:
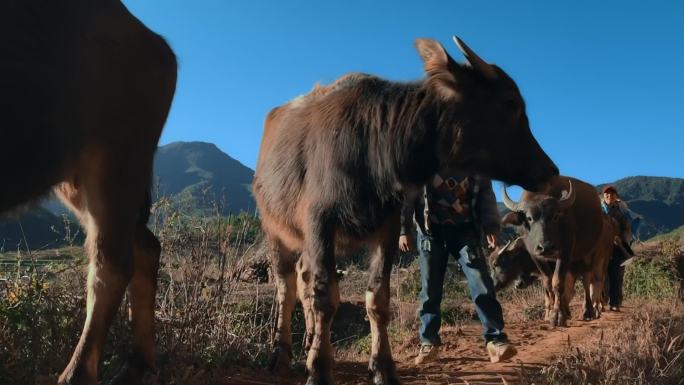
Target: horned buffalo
[
  {"x": 334, "y": 166},
  {"x": 85, "y": 89},
  {"x": 565, "y": 235},
  {"x": 512, "y": 263}
]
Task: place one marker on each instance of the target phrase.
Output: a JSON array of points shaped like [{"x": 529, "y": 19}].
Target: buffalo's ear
[
  {"x": 439, "y": 67},
  {"x": 513, "y": 218}
]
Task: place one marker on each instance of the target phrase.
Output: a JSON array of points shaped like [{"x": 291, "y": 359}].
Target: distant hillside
[
  {"x": 195, "y": 175},
  {"x": 659, "y": 199},
  {"x": 41, "y": 229},
  {"x": 676, "y": 234},
  {"x": 200, "y": 174}
]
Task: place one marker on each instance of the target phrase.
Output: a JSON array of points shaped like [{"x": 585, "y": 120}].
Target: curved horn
[
  {"x": 485, "y": 68},
  {"x": 510, "y": 203},
  {"x": 568, "y": 197},
  {"x": 504, "y": 247}
]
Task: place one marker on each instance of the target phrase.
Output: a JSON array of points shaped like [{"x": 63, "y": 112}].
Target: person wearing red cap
[{"x": 617, "y": 209}]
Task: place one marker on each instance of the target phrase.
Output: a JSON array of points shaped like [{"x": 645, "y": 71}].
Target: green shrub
[{"x": 652, "y": 279}]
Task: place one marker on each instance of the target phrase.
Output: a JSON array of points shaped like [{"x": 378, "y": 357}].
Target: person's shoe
[
  {"x": 500, "y": 350},
  {"x": 615, "y": 308},
  {"x": 427, "y": 353}
]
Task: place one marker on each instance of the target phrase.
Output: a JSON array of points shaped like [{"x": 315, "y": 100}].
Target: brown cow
[
  {"x": 566, "y": 235},
  {"x": 85, "y": 89},
  {"x": 334, "y": 166}
]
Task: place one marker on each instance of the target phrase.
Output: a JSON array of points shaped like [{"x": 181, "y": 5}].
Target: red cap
[{"x": 608, "y": 189}]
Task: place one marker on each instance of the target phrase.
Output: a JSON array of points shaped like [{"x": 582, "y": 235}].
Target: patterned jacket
[{"x": 454, "y": 199}]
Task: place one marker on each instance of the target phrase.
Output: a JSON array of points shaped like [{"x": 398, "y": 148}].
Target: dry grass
[
  {"x": 210, "y": 318},
  {"x": 207, "y": 316},
  {"x": 647, "y": 349}
]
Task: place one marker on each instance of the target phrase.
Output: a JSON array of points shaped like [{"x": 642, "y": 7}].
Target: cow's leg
[
  {"x": 304, "y": 291},
  {"x": 381, "y": 365},
  {"x": 107, "y": 199},
  {"x": 320, "y": 254},
  {"x": 548, "y": 297},
  {"x": 588, "y": 305},
  {"x": 568, "y": 293},
  {"x": 598, "y": 283},
  {"x": 141, "y": 294},
  {"x": 558, "y": 316},
  {"x": 283, "y": 263}
]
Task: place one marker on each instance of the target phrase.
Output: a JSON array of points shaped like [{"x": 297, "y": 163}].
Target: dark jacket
[{"x": 483, "y": 212}]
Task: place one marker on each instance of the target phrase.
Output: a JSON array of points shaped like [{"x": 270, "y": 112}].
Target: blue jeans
[{"x": 460, "y": 241}]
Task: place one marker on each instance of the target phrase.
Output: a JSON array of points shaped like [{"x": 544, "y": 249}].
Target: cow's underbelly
[{"x": 292, "y": 234}]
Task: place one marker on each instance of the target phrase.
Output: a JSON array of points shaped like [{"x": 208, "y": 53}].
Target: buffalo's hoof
[
  {"x": 76, "y": 378},
  {"x": 319, "y": 379},
  {"x": 280, "y": 360},
  {"x": 383, "y": 372},
  {"x": 558, "y": 319},
  {"x": 130, "y": 373}
]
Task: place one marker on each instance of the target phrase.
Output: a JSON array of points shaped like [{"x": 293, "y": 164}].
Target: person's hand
[
  {"x": 405, "y": 242},
  {"x": 491, "y": 241}
]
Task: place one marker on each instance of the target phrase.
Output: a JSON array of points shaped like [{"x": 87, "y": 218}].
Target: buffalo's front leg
[
  {"x": 558, "y": 315},
  {"x": 381, "y": 365},
  {"x": 320, "y": 254},
  {"x": 109, "y": 215},
  {"x": 597, "y": 286},
  {"x": 568, "y": 293},
  {"x": 141, "y": 292},
  {"x": 305, "y": 291},
  {"x": 589, "y": 311},
  {"x": 548, "y": 298},
  {"x": 284, "y": 267}
]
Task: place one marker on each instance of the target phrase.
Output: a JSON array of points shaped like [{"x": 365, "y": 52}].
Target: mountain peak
[{"x": 196, "y": 168}]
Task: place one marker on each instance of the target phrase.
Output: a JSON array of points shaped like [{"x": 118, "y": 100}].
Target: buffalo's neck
[
  {"x": 405, "y": 144},
  {"x": 404, "y": 125}
]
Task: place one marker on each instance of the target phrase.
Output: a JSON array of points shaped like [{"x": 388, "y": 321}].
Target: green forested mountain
[
  {"x": 203, "y": 178},
  {"x": 659, "y": 199},
  {"x": 38, "y": 229}
]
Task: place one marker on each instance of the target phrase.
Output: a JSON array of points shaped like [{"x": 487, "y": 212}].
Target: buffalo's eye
[{"x": 556, "y": 217}]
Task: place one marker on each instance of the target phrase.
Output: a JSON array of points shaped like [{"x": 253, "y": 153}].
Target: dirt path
[{"x": 463, "y": 359}]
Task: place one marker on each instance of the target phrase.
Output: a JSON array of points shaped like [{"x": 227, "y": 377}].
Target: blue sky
[{"x": 603, "y": 80}]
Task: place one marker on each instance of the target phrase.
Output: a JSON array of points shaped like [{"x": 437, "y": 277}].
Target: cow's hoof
[
  {"x": 73, "y": 377},
  {"x": 589, "y": 315},
  {"x": 314, "y": 379},
  {"x": 130, "y": 373},
  {"x": 597, "y": 313},
  {"x": 280, "y": 360},
  {"x": 557, "y": 318},
  {"x": 383, "y": 372}
]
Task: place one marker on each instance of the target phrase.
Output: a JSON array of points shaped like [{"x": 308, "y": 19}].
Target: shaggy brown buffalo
[
  {"x": 334, "y": 166},
  {"x": 565, "y": 235},
  {"x": 85, "y": 89}
]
